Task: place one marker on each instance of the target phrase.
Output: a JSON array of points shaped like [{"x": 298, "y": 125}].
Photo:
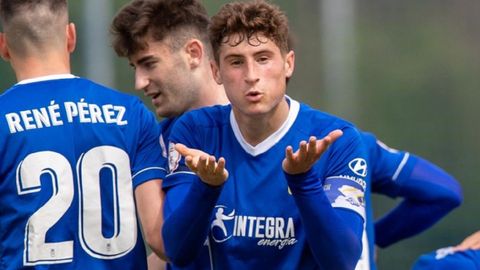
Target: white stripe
[
  {"x": 400, "y": 167},
  {"x": 47, "y": 78},
  {"x": 181, "y": 172},
  {"x": 275, "y": 137},
  {"x": 147, "y": 169}
]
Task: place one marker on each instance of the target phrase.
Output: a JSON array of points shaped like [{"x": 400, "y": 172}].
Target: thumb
[
  {"x": 182, "y": 149},
  {"x": 185, "y": 151}
]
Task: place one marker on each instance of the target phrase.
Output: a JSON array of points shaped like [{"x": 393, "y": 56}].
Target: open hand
[
  {"x": 308, "y": 153},
  {"x": 204, "y": 165},
  {"x": 471, "y": 242}
]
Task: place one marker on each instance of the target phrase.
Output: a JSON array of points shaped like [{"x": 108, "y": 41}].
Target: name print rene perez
[{"x": 57, "y": 114}]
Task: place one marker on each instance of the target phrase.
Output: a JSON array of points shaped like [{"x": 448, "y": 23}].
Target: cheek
[{"x": 230, "y": 79}]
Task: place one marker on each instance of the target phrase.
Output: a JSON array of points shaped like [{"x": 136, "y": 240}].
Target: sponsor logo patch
[
  {"x": 268, "y": 232},
  {"x": 358, "y": 166}
]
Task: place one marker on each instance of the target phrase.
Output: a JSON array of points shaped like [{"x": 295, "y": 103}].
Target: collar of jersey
[
  {"x": 271, "y": 140},
  {"x": 47, "y": 78}
]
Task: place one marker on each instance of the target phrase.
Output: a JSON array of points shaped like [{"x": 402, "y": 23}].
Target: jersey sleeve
[
  {"x": 148, "y": 163},
  {"x": 387, "y": 165},
  {"x": 347, "y": 173},
  {"x": 428, "y": 191}
]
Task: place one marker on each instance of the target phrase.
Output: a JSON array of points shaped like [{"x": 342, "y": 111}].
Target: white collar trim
[
  {"x": 47, "y": 78},
  {"x": 269, "y": 142}
]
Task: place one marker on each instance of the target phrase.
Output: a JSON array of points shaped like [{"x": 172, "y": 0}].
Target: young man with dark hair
[
  {"x": 394, "y": 173},
  {"x": 72, "y": 152},
  {"x": 274, "y": 190},
  {"x": 167, "y": 44}
]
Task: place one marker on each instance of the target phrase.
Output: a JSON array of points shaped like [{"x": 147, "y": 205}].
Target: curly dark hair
[
  {"x": 177, "y": 20},
  {"x": 247, "y": 20}
]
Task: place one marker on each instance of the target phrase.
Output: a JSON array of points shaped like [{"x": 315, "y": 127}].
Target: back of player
[
  {"x": 72, "y": 152},
  {"x": 447, "y": 259}
]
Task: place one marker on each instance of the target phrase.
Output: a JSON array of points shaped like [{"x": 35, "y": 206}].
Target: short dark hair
[
  {"x": 33, "y": 24},
  {"x": 177, "y": 20},
  {"x": 11, "y": 8},
  {"x": 248, "y": 19}
]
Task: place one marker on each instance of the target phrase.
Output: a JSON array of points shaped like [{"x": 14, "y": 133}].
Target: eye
[
  {"x": 236, "y": 62},
  {"x": 263, "y": 59},
  {"x": 149, "y": 64}
]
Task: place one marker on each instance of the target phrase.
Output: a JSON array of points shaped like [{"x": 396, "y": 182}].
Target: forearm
[
  {"x": 333, "y": 235},
  {"x": 408, "y": 219},
  {"x": 430, "y": 194},
  {"x": 149, "y": 199},
  {"x": 186, "y": 227}
]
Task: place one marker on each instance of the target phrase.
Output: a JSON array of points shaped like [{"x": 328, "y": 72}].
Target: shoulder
[
  {"x": 205, "y": 117},
  {"x": 102, "y": 90},
  {"x": 316, "y": 119}
]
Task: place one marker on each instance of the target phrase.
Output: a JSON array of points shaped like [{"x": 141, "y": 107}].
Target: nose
[
  {"x": 141, "y": 80},
  {"x": 251, "y": 72}
]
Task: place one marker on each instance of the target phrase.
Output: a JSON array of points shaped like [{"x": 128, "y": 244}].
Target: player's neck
[
  {"x": 255, "y": 129},
  {"x": 211, "y": 93},
  {"x": 33, "y": 67},
  {"x": 218, "y": 95}
]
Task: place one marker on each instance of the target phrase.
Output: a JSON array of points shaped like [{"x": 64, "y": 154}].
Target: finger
[
  {"x": 186, "y": 151},
  {"x": 476, "y": 246},
  {"x": 202, "y": 163},
  {"x": 302, "y": 150},
  {"x": 289, "y": 153},
  {"x": 210, "y": 166},
  {"x": 334, "y": 135},
  {"x": 312, "y": 146},
  {"x": 182, "y": 149},
  {"x": 468, "y": 241},
  {"x": 190, "y": 164},
  {"x": 324, "y": 143},
  {"x": 220, "y": 169}
]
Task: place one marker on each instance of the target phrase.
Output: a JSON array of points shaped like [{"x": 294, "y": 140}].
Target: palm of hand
[
  {"x": 308, "y": 153},
  {"x": 204, "y": 165}
]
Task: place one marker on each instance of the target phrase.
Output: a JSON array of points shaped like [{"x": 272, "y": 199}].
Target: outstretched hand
[
  {"x": 471, "y": 242},
  {"x": 210, "y": 171},
  {"x": 308, "y": 153}
]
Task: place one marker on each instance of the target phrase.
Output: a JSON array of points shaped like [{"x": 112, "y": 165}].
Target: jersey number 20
[{"x": 88, "y": 168}]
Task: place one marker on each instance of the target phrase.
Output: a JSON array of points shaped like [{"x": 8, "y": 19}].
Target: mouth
[
  {"x": 154, "y": 97},
  {"x": 254, "y": 95}
]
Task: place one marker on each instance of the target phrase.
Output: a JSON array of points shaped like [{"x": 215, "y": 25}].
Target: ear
[
  {"x": 216, "y": 72},
  {"x": 289, "y": 63},
  {"x": 71, "y": 37},
  {"x": 194, "y": 50},
  {"x": 4, "y": 53}
]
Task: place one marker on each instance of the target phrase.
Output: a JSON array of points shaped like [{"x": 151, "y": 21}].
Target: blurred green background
[{"x": 406, "y": 70}]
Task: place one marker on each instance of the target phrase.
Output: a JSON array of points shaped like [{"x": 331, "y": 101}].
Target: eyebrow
[
  {"x": 236, "y": 55},
  {"x": 143, "y": 60}
]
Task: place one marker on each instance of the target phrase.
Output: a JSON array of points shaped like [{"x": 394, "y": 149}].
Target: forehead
[
  {"x": 155, "y": 48},
  {"x": 242, "y": 44}
]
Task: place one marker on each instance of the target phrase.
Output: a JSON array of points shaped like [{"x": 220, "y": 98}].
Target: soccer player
[
  {"x": 428, "y": 193},
  {"x": 167, "y": 44},
  {"x": 274, "y": 191},
  {"x": 72, "y": 152},
  {"x": 465, "y": 256}
]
